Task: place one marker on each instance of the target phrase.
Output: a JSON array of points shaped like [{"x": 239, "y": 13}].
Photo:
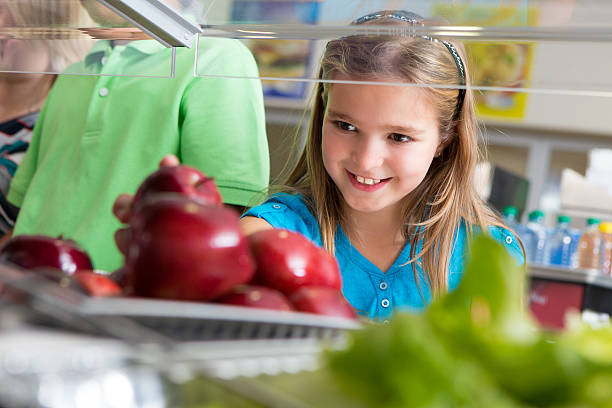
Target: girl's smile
[{"x": 366, "y": 183}]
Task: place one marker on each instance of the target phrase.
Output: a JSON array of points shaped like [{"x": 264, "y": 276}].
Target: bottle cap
[
  {"x": 563, "y": 219},
  {"x": 606, "y": 227},
  {"x": 536, "y": 215},
  {"x": 592, "y": 221},
  {"x": 509, "y": 210}
]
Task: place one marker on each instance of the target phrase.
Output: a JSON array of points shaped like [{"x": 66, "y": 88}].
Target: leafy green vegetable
[{"x": 477, "y": 347}]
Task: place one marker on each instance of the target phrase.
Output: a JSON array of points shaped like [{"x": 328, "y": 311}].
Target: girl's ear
[{"x": 445, "y": 142}]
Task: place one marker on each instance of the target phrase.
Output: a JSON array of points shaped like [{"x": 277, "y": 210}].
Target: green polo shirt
[{"x": 98, "y": 136}]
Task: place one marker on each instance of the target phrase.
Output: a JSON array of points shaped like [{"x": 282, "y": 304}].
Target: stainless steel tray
[
  {"x": 188, "y": 321},
  {"x": 163, "y": 321}
]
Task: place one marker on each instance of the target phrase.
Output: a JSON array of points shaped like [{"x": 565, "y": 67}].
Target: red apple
[
  {"x": 96, "y": 284},
  {"x": 181, "y": 249},
  {"x": 256, "y": 296},
  {"x": 39, "y": 251},
  {"x": 323, "y": 301},
  {"x": 288, "y": 261},
  {"x": 182, "y": 179}
]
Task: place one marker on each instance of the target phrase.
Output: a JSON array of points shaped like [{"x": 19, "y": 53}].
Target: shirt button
[
  {"x": 385, "y": 303},
  {"x": 276, "y": 206},
  {"x": 103, "y": 91},
  {"x": 103, "y": 60},
  {"x": 383, "y": 285},
  {"x": 386, "y": 321},
  {"x": 508, "y": 240}
]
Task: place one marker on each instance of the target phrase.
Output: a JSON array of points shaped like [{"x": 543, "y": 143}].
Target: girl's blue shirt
[{"x": 372, "y": 292}]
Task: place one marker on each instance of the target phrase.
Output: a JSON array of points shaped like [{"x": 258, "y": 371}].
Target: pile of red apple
[{"x": 184, "y": 244}]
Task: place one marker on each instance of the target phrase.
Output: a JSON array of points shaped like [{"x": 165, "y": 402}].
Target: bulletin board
[{"x": 500, "y": 71}]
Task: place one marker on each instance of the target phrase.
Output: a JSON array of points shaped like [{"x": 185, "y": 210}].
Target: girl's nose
[{"x": 367, "y": 154}]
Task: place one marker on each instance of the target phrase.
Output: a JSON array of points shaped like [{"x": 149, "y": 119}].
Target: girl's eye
[
  {"x": 345, "y": 126},
  {"x": 396, "y": 137}
]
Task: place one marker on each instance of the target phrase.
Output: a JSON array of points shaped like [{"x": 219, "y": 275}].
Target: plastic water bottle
[
  {"x": 534, "y": 237},
  {"x": 510, "y": 215},
  {"x": 606, "y": 248},
  {"x": 589, "y": 246},
  {"x": 559, "y": 248},
  {"x": 576, "y": 234}
]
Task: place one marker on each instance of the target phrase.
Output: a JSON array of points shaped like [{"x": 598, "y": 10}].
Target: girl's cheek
[
  {"x": 417, "y": 163},
  {"x": 330, "y": 144},
  {"x": 327, "y": 151}
]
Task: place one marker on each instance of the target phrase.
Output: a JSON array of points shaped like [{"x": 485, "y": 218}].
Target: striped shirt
[{"x": 15, "y": 136}]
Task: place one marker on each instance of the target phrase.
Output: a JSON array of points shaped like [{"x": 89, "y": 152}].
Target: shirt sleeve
[
  {"x": 510, "y": 242},
  {"x": 281, "y": 212},
  {"x": 223, "y": 122},
  {"x": 27, "y": 168},
  {"x": 9, "y": 163}
]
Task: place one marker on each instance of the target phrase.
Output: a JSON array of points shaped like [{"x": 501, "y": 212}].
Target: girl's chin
[{"x": 363, "y": 206}]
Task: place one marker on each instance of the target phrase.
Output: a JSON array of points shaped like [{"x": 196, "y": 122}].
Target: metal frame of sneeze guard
[{"x": 158, "y": 20}]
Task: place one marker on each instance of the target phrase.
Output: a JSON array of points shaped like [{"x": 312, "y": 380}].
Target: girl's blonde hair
[
  {"x": 59, "y": 17},
  {"x": 447, "y": 196}
]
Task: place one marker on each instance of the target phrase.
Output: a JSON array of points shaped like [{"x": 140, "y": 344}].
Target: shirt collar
[
  {"x": 103, "y": 47},
  {"x": 145, "y": 46}
]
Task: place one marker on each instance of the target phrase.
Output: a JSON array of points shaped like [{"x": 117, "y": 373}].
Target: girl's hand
[{"x": 122, "y": 208}]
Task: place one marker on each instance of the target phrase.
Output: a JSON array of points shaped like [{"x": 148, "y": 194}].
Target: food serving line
[{"x": 62, "y": 348}]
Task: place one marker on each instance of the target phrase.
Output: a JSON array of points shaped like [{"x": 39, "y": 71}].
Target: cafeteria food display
[{"x": 185, "y": 245}]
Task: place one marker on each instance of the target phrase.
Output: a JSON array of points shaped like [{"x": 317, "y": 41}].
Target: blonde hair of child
[
  {"x": 60, "y": 17},
  {"x": 447, "y": 195}
]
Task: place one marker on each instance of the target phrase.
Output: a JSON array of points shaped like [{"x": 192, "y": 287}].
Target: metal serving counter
[{"x": 59, "y": 348}]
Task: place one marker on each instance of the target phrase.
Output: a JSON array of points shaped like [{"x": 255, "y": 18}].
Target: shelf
[
  {"x": 584, "y": 214},
  {"x": 570, "y": 275}
]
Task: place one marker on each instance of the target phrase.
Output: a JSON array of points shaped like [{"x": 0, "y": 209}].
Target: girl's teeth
[{"x": 368, "y": 181}]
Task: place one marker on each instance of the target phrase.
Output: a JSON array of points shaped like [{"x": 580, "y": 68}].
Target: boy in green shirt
[{"x": 98, "y": 136}]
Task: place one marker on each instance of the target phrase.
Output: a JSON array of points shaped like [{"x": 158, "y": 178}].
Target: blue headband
[{"x": 414, "y": 19}]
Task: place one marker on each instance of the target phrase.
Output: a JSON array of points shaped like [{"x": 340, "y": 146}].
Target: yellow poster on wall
[{"x": 500, "y": 70}]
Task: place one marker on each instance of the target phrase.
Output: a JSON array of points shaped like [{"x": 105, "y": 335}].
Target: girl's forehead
[
  {"x": 380, "y": 84},
  {"x": 381, "y": 96},
  {"x": 366, "y": 80}
]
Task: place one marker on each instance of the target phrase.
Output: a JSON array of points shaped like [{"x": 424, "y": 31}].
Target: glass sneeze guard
[
  {"x": 79, "y": 38},
  {"x": 545, "y": 46}
]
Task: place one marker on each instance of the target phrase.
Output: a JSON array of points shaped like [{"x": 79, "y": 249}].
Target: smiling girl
[{"x": 385, "y": 181}]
